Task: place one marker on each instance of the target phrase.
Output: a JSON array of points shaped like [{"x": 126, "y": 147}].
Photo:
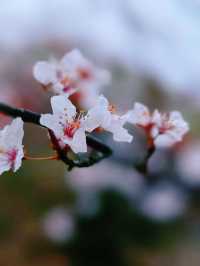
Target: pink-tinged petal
[
  {"x": 79, "y": 144},
  {"x": 45, "y": 73},
  {"x": 102, "y": 102},
  {"x": 164, "y": 141},
  {"x": 61, "y": 105},
  {"x": 11, "y": 148},
  {"x": 4, "y": 163},
  {"x": 89, "y": 97},
  {"x": 91, "y": 122},
  {"x": 122, "y": 135},
  {"x": 116, "y": 128},
  {"x": 180, "y": 125},
  {"x": 98, "y": 116},
  {"x": 139, "y": 115},
  {"x": 76, "y": 69},
  {"x": 176, "y": 116},
  {"x": 154, "y": 131},
  {"x": 57, "y": 88},
  {"x": 73, "y": 60},
  {"x": 51, "y": 122},
  {"x": 18, "y": 160},
  {"x": 83, "y": 71},
  {"x": 12, "y": 135},
  {"x": 174, "y": 126},
  {"x": 156, "y": 118}
]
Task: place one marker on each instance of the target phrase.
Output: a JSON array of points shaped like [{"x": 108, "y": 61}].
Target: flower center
[
  {"x": 166, "y": 124},
  {"x": 67, "y": 88},
  {"x": 84, "y": 73},
  {"x": 146, "y": 114},
  {"x": 71, "y": 128},
  {"x": 112, "y": 108},
  {"x": 66, "y": 81},
  {"x": 148, "y": 127}
]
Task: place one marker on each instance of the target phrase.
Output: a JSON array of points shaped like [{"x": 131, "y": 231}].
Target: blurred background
[{"x": 109, "y": 213}]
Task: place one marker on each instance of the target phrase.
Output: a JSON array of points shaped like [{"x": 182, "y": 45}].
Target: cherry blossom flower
[
  {"x": 11, "y": 148},
  {"x": 72, "y": 74},
  {"x": 163, "y": 130},
  {"x": 170, "y": 129},
  {"x": 68, "y": 125},
  {"x": 83, "y": 71},
  {"x": 104, "y": 115}
]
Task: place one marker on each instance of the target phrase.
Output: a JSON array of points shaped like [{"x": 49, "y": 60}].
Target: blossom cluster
[
  {"x": 80, "y": 108},
  {"x": 162, "y": 129}
]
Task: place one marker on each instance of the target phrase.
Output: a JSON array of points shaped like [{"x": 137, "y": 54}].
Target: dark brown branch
[
  {"x": 26, "y": 115},
  {"x": 100, "y": 152}
]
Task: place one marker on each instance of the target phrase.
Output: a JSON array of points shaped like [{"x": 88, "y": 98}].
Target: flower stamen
[
  {"x": 84, "y": 73},
  {"x": 112, "y": 108},
  {"x": 71, "y": 128}
]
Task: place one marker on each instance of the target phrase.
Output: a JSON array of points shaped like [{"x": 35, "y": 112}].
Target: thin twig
[{"x": 54, "y": 157}]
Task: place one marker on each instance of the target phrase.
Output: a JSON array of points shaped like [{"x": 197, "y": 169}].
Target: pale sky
[{"x": 160, "y": 39}]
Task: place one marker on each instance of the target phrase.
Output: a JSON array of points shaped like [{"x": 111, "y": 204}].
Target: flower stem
[
  {"x": 143, "y": 167},
  {"x": 54, "y": 157}
]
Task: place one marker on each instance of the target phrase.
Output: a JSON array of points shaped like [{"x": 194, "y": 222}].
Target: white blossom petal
[
  {"x": 79, "y": 141},
  {"x": 154, "y": 132},
  {"x": 51, "y": 122},
  {"x": 45, "y": 72},
  {"x": 58, "y": 87},
  {"x": 102, "y": 102},
  {"x": 12, "y": 134},
  {"x": 98, "y": 116},
  {"x": 61, "y": 105},
  {"x": 119, "y": 133},
  {"x": 165, "y": 129},
  {"x": 164, "y": 140},
  {"x": 11, "y": 148},
  {"x": 156, "y": 118},
  {"x": 89, "y": 97},
  {"x": 18, "y": 160},
  {"x": 174, "y": 128},
  {"x": 73, "y": 59},
  {"x": 139, "y": 115},
  {"x": 73, "y": 73},
  {"x": 67, "y": 126},
  {"x": 4, "y": 163}
]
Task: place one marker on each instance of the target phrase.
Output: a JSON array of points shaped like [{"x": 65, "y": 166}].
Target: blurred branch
[
  {"x": 101, "y": 151},
  {"x": 143, "y": 166}
]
